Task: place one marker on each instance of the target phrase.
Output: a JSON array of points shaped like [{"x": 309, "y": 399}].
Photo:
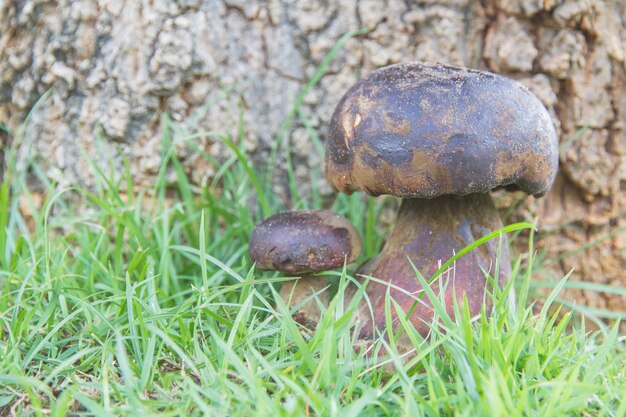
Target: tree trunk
[{"x": 116, "y": 66}]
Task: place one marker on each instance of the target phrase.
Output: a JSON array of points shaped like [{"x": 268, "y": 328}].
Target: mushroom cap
[
  {"x": 300, "y": 242},
  {"x": 422, "y": 130}
]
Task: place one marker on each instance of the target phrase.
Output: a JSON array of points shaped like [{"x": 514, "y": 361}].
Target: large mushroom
[
  {"x": 440, "y": 137},
  {"x": 301, "y": 243}
]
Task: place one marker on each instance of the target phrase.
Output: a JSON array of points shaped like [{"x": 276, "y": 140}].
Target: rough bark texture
[{"x": 116, "y": 65}]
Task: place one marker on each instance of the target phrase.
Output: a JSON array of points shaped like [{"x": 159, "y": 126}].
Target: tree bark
[{"x": 116, "y": 66}]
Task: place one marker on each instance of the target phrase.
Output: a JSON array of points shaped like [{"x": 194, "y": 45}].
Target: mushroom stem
[
  {"x": 306, "y": 287},
  {"x": 429, "y": 232}
]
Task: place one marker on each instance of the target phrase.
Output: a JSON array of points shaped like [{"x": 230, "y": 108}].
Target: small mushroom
[
  {"x": 302, "y": 243},
  {"x": 440, "y": 137}
]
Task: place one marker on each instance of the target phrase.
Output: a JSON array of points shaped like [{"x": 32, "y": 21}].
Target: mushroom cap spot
[
  {"x": 301, "y": 242},
  {"x": 426, "y": 130}
]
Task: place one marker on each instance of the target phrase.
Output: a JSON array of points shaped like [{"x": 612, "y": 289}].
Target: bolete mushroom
[
  {"x": 440, "y": 137},
  {"x": 301, "y": 243}
]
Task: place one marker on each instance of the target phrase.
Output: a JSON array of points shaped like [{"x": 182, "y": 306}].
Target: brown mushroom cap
[
  {"x": 300, "y": 242},
  {"x": 423, "y": 130}
]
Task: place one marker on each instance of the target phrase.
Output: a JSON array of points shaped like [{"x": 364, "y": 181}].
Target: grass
[{"x": 123, "y": 301}]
